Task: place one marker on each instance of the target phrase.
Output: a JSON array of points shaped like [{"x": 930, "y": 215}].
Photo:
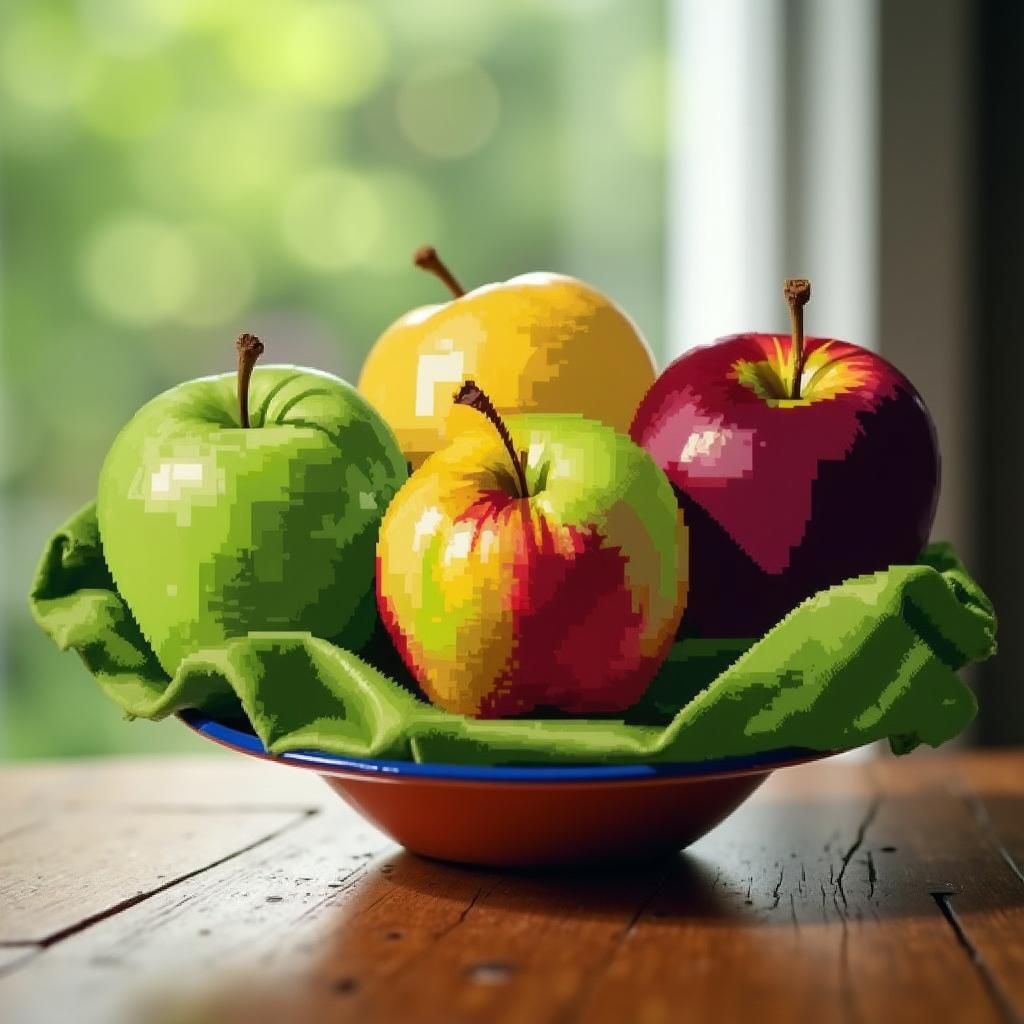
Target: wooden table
[{"x": 163, "y": 890}]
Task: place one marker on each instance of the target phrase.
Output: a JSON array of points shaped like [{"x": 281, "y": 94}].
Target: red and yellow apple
[
  {"x": 542, "y": 565},
  {"x": 797, "y": 466},
  {"x": 537, "y": 343}
]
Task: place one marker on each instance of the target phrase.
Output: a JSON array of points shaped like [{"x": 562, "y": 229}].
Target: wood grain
[
  {"x": 157, "y": 782},
  {"x": 12, "y": 956},
  {"x": 876, "y": 891},
  {"x": 990, "y": 920},
  {"x": 79, "y": 864},
  {"x": 239, "y": 927},
  {"x": 995, "y": 790},
  {"x": 814, "y": 905}
]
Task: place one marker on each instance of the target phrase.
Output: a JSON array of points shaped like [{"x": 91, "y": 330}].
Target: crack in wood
[
  {"x": 132, "y": 901},
  {"x": 594, "y": 975},
  {"x": 858, "y": 842},
  {"x": 208, "y": 809},
  {"x": 777, "y": 889},
  {"x": 839, "y": 910},
  {"x": 872, "y": 876},
  {"x": 1001, "y": 999},
  {"x": 406, "y": 965},
  {"x": 357, "y": 874},
  {"x": 465, "y": 911},
  {"x": 984, "y": 821}
]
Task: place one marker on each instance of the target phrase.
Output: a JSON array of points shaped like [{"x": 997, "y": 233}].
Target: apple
[
  {"x": 538, "y": 564},
  {"x": 537, "y": 343},
  {"x": 798, "y": 465},
  {"x": 214, "y": 527}
]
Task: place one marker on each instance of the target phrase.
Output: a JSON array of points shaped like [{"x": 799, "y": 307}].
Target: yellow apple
[{"x": 539, "y": 342}]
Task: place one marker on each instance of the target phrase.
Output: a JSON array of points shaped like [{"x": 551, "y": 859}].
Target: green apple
[{"x": 214, "y": 527}]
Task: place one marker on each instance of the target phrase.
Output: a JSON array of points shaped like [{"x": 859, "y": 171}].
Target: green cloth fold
[{"x": 874, "y": 658}]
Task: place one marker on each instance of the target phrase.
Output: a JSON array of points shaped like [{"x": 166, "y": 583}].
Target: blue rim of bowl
[{"x": 248, "y": 743}]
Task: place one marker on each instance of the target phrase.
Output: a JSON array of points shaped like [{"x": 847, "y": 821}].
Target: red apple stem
[
  {"x": 476, "y": 398},
  {"x": 250, "y": 348},
  {"x": 426, "y": 258},
  {"x": 798, "y": 293}
]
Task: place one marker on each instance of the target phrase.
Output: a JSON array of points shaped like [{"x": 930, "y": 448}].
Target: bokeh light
[
  {"x": 448, "y": 109},
  {"x": 175, "y": 171},
  {"x": 139, "y": 270},
  {"x": 238, "y": 157},
  {"x": 449, "y": 25},
  {"x": 42, "y": 62},
  {"x": 413, "y": 215},
  {"x": 127, "y": 98},
  {"x": 222, "y": 280},
  {"x": 331, "y": 218},
  {"x": 332, "y": 53},
  {"x": 638, "y": 103},
  {"x": 128, "y": 28}
]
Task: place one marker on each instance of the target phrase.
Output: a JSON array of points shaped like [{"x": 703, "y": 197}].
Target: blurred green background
[{"x": 175, "y": 171}]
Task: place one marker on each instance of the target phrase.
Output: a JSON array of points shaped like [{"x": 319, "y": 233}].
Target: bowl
[{"x": 530, "y": 817}]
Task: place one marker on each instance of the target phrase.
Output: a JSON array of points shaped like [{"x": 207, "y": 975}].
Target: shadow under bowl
[{"x": 530, "y": 817}]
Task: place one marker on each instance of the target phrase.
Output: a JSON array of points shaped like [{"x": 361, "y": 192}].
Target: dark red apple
[{"x": 797, "y": 466}]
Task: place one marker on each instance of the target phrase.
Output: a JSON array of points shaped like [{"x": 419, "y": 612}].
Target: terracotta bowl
[{"x": 530, "y": 817}]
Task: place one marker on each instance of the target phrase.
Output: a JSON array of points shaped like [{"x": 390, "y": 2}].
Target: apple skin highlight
[
  {"x": 212, "y": 530},
  {"x": 567, "y": 599},
  {"x": 785, "y": 497},
  {"x": 537, "y": 343}
]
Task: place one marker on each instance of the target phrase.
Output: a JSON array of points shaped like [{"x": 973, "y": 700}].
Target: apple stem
[
  {"x": 426, "y": 258},
  {"x": 798, "y": 293},
  {"x": 250, "y": 348},
  {"x": 476, "y": 398}
]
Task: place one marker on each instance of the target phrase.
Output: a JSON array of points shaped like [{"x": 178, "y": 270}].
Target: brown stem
[
  {"x": 426, "y": 258},
  {"x": 250, "y": 348},
  {"x": 798, "y": 293},
  {"x": 469, "y": 394}
]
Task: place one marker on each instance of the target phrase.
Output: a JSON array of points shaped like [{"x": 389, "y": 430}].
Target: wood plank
[
  {"x": 990, "y": 915},
  {"x": 17, "y": 818},
  {"x": 15, "y": 956},
  {"x": 159, "y": 782},
  {"x": 812, "y": 903},
  {"x": 83, "y": 863},
  {"x": 239, "y": 933},
  {"x": 815, "y": 901},
  {"x": 523, "y": 949},
  {"x": 361, "y": 938},
  {"x": 994, "y": 787}
]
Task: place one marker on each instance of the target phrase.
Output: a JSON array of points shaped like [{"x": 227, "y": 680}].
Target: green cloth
[{"x": 873, "y": 658}]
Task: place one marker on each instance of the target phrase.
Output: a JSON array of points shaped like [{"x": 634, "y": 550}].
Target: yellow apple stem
[
  {"x": 250, "y": 348},
  {"x": 476, "y": 398},
  {"x": 798, "y": 292},
  {"x": 426, "y": 258}
]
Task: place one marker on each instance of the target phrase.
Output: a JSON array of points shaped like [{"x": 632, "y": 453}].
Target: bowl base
[{"x": 550, "y": 825}]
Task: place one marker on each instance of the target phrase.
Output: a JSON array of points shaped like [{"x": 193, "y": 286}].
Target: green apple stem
[
  {"x": 426, "y": 258},
  {"x": 798, "y": 292},
  {"x": 473, "y": 396},
  {"x": 250, "y": 348}
]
